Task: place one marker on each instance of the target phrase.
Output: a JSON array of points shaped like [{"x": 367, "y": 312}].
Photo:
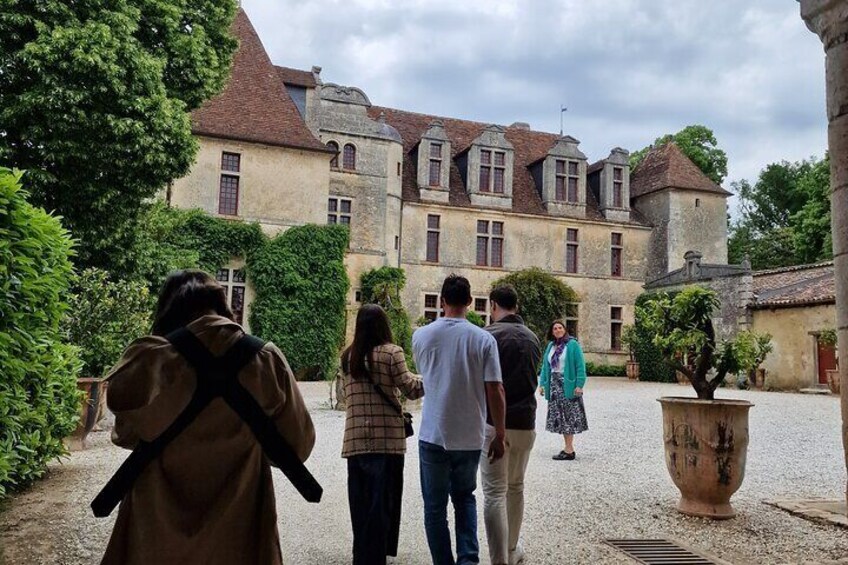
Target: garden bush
[
  {"x": 542, "y": 298},
  {"x": 601, "y": 370},
  {"x": 383, "y": 286},
  {"x": 475, "y": 318},
  {"x": 39, "y": 401},
  {"x": 106, "y": 315},
  {"x": 301, "y": 295},
  {"x": 652, "y": 366}
]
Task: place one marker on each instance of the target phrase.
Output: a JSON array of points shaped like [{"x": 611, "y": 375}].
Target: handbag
[{"x": 406, "y": 416}]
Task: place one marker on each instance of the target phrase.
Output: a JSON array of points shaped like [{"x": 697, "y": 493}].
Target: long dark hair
[
  {"x": 551, "y": 336},
  {"x": 372, "y": 330},
  {"x": 186, "y": 296}
]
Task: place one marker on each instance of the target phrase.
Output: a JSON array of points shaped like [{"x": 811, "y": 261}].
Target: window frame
[
  {"x": 434, "y": 230},
  {"x": 349, "y": 157},
  {"x": 494, "y": 166},
  {"x": 490, "y": 238},
  {"x": 572, "y": 319},
  {"x": 337, "y": 213},
  {"x": 617, "y": 254},
  {"x": 435, "y": 160},
  {"x": 618, "y": 187},
  {"x": 572, "y": 245},
  {"x": 235, "y": 283},
  {"x": 616, "y": 327},
  {"x": 233, "y": 194},
  {"x": 432, "y": 313},
  {"x": 483, "y": 312}
]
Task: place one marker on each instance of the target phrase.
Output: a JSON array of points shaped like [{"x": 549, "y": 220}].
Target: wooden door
[{"x": 826, "y": 360}]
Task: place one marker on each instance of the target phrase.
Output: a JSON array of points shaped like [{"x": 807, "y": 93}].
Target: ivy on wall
[
  {"x": 301, "y": 287},
  {"x": 652, "y": 366},
  {"x": 383, "y": 286}
]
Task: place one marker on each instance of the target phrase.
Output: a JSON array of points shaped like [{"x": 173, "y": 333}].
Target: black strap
[{"x": 215, "y": 377}]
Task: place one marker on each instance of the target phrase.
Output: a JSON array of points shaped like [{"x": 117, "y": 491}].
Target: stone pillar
[{"x": 829, "y": 19}]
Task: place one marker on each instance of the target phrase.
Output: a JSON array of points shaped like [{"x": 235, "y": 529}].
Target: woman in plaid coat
[{"x": 375, "y": 438}]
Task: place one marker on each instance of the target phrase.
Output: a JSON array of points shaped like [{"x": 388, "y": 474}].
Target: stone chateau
[{"x": 437, "y": 195}]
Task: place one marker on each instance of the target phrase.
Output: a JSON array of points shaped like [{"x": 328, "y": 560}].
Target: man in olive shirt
[{"x": 503, "y": 480}]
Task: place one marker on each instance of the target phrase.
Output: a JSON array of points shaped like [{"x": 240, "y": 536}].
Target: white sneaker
[{"x": 516, "y": 556}]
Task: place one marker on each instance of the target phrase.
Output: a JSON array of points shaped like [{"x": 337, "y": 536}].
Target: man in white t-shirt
[{"x": 461, "y": 370}]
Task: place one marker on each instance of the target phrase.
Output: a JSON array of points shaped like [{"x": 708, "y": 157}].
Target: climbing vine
[{"x": 383, "y": 286}]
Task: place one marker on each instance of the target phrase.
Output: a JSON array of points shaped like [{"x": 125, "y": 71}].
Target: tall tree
[
  {"x": 699, "y": 144},
  {"x": 95, "y": 103}
]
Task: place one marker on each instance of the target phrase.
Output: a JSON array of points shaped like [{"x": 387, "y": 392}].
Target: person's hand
[
  {"x": 578, "y": 391},
  {"x": 496, "y": 449},
  {"x": 541, "y": 391}
]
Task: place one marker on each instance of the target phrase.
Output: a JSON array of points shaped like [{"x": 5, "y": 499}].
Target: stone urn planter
[
  {"x": 706, "y": 446},
  {"x": 632, "y": 370},
  {"x": 91, "y": 411},
  {"x": 833, "y": 380}
]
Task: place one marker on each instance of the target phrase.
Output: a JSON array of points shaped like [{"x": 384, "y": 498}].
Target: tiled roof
[
  {"x": 254, "y": 105},
  {"x": 667, "y": 167},
  {"x": 296, "y": 77},
  {"x": 530, "y": 146},
  {"x": 795, "y": 286}
]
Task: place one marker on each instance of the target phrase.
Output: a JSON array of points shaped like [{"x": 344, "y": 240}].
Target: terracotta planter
[
  {"x": 632, "y": 368},
  {"x": 706, "y": 445},
  {"x": 91, "y": 410},
  {"x": 760, "y": 378},
  {"x": 833, "y": 380}
]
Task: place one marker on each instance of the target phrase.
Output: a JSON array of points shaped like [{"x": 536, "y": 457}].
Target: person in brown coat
[
  {"x": 209, "y": 497},
  {"x": 375, "y": 372}
]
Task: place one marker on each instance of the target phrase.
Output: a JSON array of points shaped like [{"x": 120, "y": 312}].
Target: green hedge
[
  {"x": 652, "y": 367},
  {"x": 301, "y": 296},
  {"x": 39, "y": 401},
  {"x": 383, "y": 286},
  {"x": 601, "y": 370},
  {"x": 542, "y": 298}
]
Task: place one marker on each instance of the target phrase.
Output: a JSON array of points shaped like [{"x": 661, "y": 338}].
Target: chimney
[{"x": 520, "y": 125}]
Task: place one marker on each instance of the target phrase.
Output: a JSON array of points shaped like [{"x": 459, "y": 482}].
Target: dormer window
[
  {"x": 435, "y": 164},
  {"x": 567, "y": 178},
  {"x": 618, "y": 187},
  {"x": 492, "y": 172}
]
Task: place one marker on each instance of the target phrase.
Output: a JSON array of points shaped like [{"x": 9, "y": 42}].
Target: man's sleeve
[{"x": 491, "y": 361}]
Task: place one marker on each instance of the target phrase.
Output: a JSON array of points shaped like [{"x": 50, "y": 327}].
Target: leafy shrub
[
  {"x": 542, "y": 298},
  {"x": 39, "y": 401},
  {"x": 301, "y": 293},
  {"x": 652, "y": 367},
  {"x": 383, "y": 286},
  {"x": 105, "y": 317},
  {"x": 475, "y": 318},
  {"x": 601, "y": 370}
]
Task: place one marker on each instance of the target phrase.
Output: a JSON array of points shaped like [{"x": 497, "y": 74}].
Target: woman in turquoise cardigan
[{"x": 561, "y": 381}]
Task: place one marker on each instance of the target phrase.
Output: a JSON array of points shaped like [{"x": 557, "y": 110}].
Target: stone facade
[{"x": 492, "y": 199}]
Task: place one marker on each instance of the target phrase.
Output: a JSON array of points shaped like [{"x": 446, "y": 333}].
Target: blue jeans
[{"x": 453, "y": 473}]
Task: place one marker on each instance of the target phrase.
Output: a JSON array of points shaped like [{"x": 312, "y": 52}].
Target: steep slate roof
[
  {"x": 296, "y": 77},
  {"x": 667, "y": 167},
  {"x": 254, "y": 105},
  {"x": 801, "y": 285},
  {"x": 530, "y": 146}
]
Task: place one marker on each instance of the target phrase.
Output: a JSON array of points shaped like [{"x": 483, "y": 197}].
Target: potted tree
[
  {"x": 757, "y": 347},
  {"x": 706, "y": 440},
  {"x": 629, "y": 338},
  {"x": 828, "y": 338}
]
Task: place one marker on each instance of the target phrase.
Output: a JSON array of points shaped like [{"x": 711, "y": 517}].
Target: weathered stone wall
[
  {"x": 530, "y": 241},
  {"x": 278, "y": 187},
  {"x": 792, "y": 364},
  {"x": 655, "y": 208},
  {"x": 697, "y": 222}
]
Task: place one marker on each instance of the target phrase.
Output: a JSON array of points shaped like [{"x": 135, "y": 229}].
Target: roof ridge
[
  {"x": 792, "y": 268},
  {"x": 482, "y": 124}
]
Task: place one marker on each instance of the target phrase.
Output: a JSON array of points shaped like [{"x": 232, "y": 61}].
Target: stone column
[{"x": 829, "y": 19}]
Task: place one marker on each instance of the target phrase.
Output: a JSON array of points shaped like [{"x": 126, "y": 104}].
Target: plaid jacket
[{"x": 372, "y": 426}]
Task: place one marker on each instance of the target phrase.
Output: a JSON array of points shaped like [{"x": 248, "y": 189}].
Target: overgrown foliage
[
  {"x": 383, "y": 286},
  {"x": 601, "y": 370},
  {"x": 301, "y": 288},
  {"x": 652, "y": 366},
  {"x": 696, "y": 142},
  {"x": 785, "y": 216},
  {"x": 542, "y": 298},
  {"x": 95, "y": 103},
  {"x": 475, "y": 319},
  {"x": 39, "y": 402},
  {"x": 106, "y": 315},
  {"x": 682, "y": 329}
]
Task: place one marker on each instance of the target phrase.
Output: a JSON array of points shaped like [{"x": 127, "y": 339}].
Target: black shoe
[{"x": 563, "y": 456}]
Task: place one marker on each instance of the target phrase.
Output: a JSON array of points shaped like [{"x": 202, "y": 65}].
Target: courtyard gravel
[{"x": 617, "y": 487}]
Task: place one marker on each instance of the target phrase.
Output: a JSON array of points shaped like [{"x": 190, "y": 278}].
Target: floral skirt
[{"x": 566, "y": 416}]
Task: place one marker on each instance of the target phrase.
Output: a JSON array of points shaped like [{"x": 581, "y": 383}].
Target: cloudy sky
[{"x": 628, "y": 70}]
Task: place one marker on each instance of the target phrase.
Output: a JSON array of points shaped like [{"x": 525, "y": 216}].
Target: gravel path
[{"x": 617, "y": 487}]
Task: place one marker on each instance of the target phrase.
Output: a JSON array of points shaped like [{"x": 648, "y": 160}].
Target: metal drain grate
[{"x": 659, "y": 552}]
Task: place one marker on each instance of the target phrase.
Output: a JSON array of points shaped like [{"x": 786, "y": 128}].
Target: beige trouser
[{"x": 503, "y": 492}]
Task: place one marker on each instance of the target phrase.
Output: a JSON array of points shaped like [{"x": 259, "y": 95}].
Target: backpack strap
[{"x": 215, "y": 377}]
